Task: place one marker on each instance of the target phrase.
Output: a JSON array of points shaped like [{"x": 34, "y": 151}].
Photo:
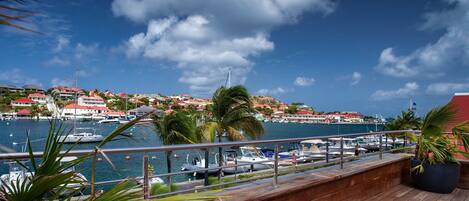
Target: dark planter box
[{"x": 438, "y": 178}]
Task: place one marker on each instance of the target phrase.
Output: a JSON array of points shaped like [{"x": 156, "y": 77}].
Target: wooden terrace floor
[{"x": 405, "y": 192}]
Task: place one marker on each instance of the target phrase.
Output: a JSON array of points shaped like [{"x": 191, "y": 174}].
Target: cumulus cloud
[
  {"x": 82, "y": 50},
  {"x": 61, "y": 82},
  {"x": 207, "y": 38},
  {"x": 62, "y": 42},
  {"x": 447, "y": 88},
  {"x": 408, "y": 90},
  {"x": 271, "y": 92},
  {"x": 435, "y": 58},
  {"x": 356, "y": 78},
  {"x": 57, "y": 61},
  {"x": 304, "y": 81},
  {"x": 17, "y": 77}
]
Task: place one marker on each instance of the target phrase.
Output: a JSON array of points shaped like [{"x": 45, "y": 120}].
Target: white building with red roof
[
  {"x": 81, "y": 110},
  {"x": 91, "y": 101},
  {"x": 39, "y": 98},
  {"x": 22, "y": 102},
  {"x": 66, "y": 93}
]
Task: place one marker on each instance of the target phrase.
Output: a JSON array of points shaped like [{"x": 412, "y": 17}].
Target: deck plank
[{"x": 408, "y": 193}]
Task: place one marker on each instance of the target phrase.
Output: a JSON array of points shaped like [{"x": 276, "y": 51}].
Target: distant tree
[{"x": 292, "y": 109}]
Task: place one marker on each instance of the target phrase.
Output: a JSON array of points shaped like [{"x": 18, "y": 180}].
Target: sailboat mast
[
  {"x": 76, "y": 104},
  {"x": 228, "y": 79}
]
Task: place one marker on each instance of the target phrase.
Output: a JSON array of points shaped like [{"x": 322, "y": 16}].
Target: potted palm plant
[{"x": 434, "y": 166}]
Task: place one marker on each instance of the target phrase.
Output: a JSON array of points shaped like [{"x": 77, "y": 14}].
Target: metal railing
[{"x": 146, "y": 176}]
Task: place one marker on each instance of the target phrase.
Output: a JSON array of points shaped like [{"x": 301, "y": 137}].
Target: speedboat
[
  {"x": 232, "y": 165},
  {"x": 108, "y": 120},
  {"x": 17, "y": 174},
  {"x": 79, "y": 184},
  {"x": 348, "y": 148},
  {"x": 197, "y": 164},
  {"x": 251, "y": 159},
  {"x": 82, "y": 135},
  {"x": 313, "y": 149}
]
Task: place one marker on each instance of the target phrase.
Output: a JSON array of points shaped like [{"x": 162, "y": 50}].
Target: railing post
[
  {"x": 276, "y": 165},
  {"x": 146, "y": 183},
  {"x": 327, "y": 150},
  {"x": 206, "y": 166},
  {"x": 380, "y": 146},
  {"x": 341, "y": 152}
]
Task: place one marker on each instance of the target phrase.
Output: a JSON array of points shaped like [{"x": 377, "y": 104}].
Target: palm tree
[
  {"x": 232, "y": 114},
  {"x": 395, "y": 124},
  {"x": 10, "y": 14},
  {"x": 408, "y": 120},
  {"x": 433, "y": 145},
  {"x": 176, "y": 128}
]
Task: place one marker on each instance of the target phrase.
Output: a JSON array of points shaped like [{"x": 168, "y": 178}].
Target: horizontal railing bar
[{"x": 25, "y": 155}]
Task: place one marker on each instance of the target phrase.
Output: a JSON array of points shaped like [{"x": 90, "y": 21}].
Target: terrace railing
[{"x": 146, "y": 176}]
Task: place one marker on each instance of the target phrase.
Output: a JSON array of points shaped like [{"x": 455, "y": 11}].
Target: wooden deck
[{"x": 405, "y": 192}]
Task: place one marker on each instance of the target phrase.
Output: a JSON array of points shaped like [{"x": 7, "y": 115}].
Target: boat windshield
[{"x": 251, "y": 152}]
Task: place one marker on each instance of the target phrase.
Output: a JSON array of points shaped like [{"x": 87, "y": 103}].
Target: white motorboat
[
  {"x": 82, "y": 135},
  {"x": 348, "y": 148},
  {"x": 231, "y": 160},
  {"x": 17, "y": 174},
  {"x": 251, "y": 159},
  {"x": 197, "y": 164},
  {"x": 80, "y": 179},
  {"x": 109, "y": 120},
  {"x": 314, "y": 149}
]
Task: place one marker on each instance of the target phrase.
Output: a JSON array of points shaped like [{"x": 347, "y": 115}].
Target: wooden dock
[{"x": 406, "y": 192}]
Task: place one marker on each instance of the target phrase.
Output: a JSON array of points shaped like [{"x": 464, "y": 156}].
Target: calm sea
[{"x": 13, "y": 135}]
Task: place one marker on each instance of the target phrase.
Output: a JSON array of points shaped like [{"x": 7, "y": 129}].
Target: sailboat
[{"x": 80, "y": 135}]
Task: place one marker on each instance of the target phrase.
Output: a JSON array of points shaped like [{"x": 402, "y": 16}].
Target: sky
[{"x": 367, "y": 56}]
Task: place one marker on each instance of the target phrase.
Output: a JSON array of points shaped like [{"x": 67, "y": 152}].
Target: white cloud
[
  {"x": 206, "y": 38},
  {"x": 435, "y": 58},
  {"x": 356, "y": 78},
  {"x": 56, "y": 61},
  {"x": 272, "y": 92},
  {"x": 304, "y": 81},
  {"x": 408, "y": 90},
  {"x": 61, "y": 82},
  {"x": 81, "y": 50},
  {"x": 447, "y": 88},
  {"x": 62, "y": 42},
  {"x": 17, "y": 77}
]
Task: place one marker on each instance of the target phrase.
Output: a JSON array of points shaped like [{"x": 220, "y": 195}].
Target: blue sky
[{"x": 367, "y": 56}]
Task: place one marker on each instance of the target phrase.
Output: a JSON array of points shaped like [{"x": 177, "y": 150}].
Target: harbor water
[{"x": 13, "y": 135}]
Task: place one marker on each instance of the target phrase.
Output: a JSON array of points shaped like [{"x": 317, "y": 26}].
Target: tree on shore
[{"x": 231, "y": 114}]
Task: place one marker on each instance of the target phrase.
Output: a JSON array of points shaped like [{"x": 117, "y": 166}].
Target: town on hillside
[{"x": 62, "y": 102}]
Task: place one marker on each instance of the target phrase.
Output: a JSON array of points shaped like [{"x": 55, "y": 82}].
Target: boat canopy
[
  {"x": 338, "y": 139},
  {"x": 314, "y": 141},
  {"x": 68, "y": 159}
]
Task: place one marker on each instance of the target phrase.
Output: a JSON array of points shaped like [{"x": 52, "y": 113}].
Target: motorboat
[
  {"x": 232, "y": 165},
  {"x": 197, "y": 164},
  {"x": 17, "y": 174},
  {"x": 314, "y": 148},
  {"x": 251, "y": 159},
  {"x": 348, "y": 149},
  {"x": 109, "y": 120},
  {"x": 82, "y": 135},
  {"x": 79, "y": 184}
]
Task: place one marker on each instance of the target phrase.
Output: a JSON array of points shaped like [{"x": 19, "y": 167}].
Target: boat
[
  {"x": 80, "y": 180},
  {"x": 17, "y": 174},
  {"x": 109, "y": 120},
  {"x": 314, "y": 148},
  {"x": 82, "y": 135},
  {"x": 251, "y": 159},
  {"x": 348, "y": 148},
  {"x": 197, "y": 164},
  {"x": 231, "y": 160}
]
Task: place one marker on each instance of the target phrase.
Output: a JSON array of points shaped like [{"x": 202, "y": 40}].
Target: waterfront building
[
  {"x": 82, "y": 110},
  {"x": 66, "y": 93},
  {"x": 141, "y": 110},
  {"x": 91, "y": 101},
  {"x": 31, "y": 88},
  {"x": 6, "y": 88},
  {"x": 24, "y": 113},
  {"x": 39, "y": 98},
  {"x": 22, "y": 102}
]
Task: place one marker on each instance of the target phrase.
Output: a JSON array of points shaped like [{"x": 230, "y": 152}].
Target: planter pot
[{"x": 438, "y": 178}]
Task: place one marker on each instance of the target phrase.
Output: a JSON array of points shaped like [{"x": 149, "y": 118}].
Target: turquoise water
[{"x": 13, "y": 135}]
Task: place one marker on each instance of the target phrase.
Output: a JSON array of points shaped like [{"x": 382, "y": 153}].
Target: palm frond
[{"x": 124, "y": 191}]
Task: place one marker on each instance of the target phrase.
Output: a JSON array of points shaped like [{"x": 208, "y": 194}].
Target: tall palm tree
[
  {"x": 11, "y": 14},
  {"x": 176, "y": 128},
  {"x": 408, "y": 120},
  {"x": 395, "y": 124},
  {"x": 232, "y": 114}
]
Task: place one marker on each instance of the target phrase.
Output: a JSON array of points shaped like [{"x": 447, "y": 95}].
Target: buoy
[
  {"x": 14, "y": 143},
  {"x": 100, "y": 159},
  {"x": 153, "y": 157},
  {"x": 11, "y": 134},
  {"x": 127, "y": 157},
  {"x": 176, "y": 156}
]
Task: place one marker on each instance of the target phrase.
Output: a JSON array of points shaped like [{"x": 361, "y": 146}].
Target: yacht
[
  {"x": 197, "y": 164},
  {"x": 348, "y": 148},
  {"x": 251, "y": 159},
  {"x": 82, "y": 135},
  {"x": 314, "y": 149}
]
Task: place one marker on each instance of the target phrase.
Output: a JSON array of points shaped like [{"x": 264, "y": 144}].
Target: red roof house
[
  {"x": 23, "y": 112},
  {"x": 460, "y": 102}
]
